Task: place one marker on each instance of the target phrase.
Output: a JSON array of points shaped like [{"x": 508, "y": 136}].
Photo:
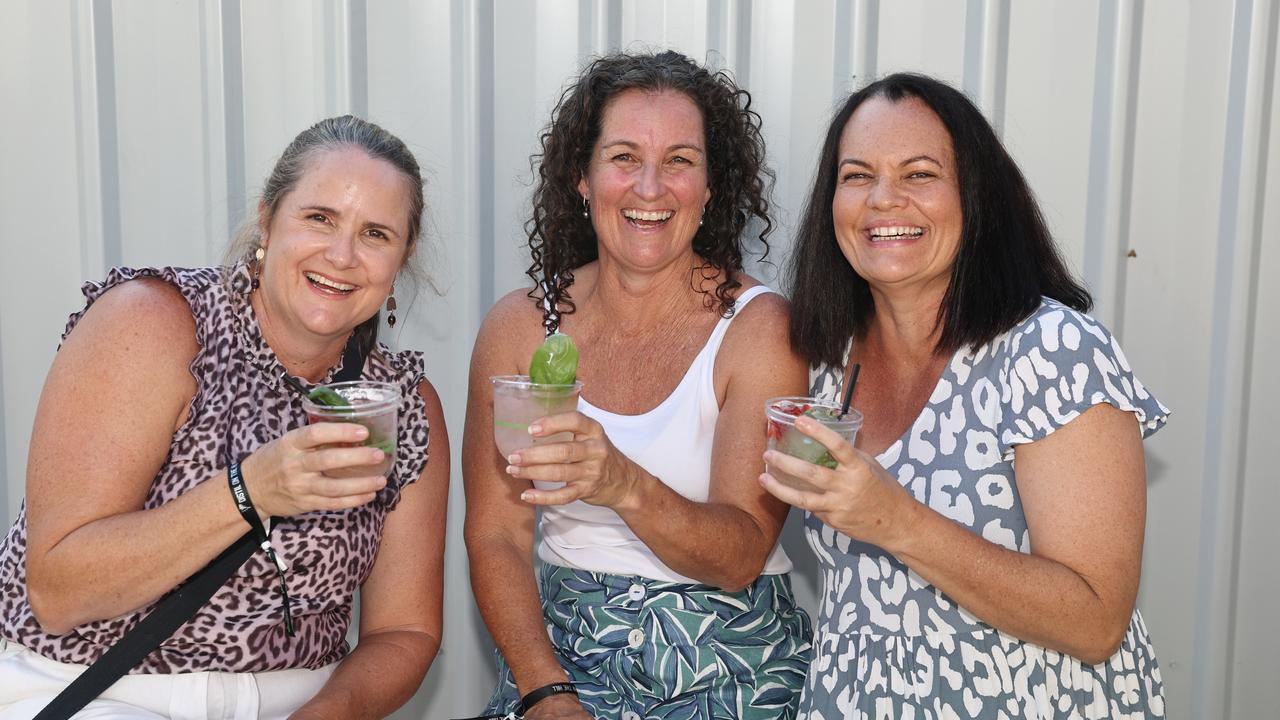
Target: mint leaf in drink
[
  {"x": 555, "y": 362},
  {"x": 328, "y": 397},
  {"x": 826, "y": 461},
  {"x": 821, "y": 414}
]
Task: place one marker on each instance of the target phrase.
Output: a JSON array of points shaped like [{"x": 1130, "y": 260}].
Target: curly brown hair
[{"x": 561, "y": 239}]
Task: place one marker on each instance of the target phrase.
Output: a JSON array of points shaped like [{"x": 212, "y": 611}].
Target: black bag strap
[
  {"x": 352, "y": 362},
  {"x": 173, "y": 609}
]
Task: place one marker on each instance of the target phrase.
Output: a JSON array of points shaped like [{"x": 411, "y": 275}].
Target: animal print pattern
[
  {"x": 890, "y": 645},
  {"x": 241, "y": 403},
  {"x": 636, "y": 648}
]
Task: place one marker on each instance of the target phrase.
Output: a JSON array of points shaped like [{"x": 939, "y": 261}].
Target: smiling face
[
  {"x": 897, "y": 208},
  {"x": 647, "y": 179},
  {"x": 334, "y": 245}
]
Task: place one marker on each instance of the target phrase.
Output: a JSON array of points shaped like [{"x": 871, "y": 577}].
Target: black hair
[{"x": 1006, "y": 261}]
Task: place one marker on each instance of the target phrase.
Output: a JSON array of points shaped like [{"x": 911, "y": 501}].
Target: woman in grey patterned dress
[{"x": 953, "y": 585}]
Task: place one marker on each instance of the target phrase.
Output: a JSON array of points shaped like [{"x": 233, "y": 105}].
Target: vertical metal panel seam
[
  {"x": 486, "y": 86},
  {"x": 613, "y": 18},
  {"x": 856, "y": 29},
  {"x": 973, "y": 41},
  {"x": 843, "y": 46},
  {"x": 1128, "y": 147},
  {"x": 333, "y": 54},
  {"x": 872, "y": 38},
  {"x": 108, "y": 138},
  {"x": 741, "y": 32},
  {"x": 358, "y": 57},
  {"x": 206, "y": 150},
  {"x": 1000, "y": 84},
  {"x": 233, "y": 109},
  {"x": 211, "y": 84},
  {"x": 1265, "y": 106},
  {"x": 586, "y": 27},
  {"x": 1211, "y": 669},
  {"x": 1099, "y": 191},
  {"x": 715, "y": 32},
  {"x": 85, "y": 107},
  {"x": 986, "y": 53}
]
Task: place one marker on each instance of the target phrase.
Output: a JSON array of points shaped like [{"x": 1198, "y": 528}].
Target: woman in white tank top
[{"x": 660, "y": 590}]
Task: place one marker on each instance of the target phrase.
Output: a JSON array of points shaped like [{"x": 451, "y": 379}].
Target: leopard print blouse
[{"x": 241, "y": 403}]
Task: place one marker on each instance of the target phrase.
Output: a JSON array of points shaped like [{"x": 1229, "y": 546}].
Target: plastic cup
[
  {"x": 517, "y": 402},
  {"x": 781, "y": 414},
  {"x": 374, "y": 405}
]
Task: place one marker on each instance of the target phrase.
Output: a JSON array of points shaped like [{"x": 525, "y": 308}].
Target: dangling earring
[
  {"x": 258, "y": 255},
  {"x": 391, "y": 307},
  {"x": 586, "y": 209},
  {"x": 703, "y": 216}
]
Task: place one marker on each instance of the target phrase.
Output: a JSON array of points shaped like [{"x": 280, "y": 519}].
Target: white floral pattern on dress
[{"x": 890, "y": 645}]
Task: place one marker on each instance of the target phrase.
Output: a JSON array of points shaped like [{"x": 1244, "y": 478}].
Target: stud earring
[
  {"x": 391, "y": 307},
  {"x": 258, "y": 256},
  {"x": 586, "y": 209}
]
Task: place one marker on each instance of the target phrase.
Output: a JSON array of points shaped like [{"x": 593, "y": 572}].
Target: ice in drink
[{"x": 781, "y": 414}]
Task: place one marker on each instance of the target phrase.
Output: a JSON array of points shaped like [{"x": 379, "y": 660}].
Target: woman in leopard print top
[{"x": 125, "y": 501}]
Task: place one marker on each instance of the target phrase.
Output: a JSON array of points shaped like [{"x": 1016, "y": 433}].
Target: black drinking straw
[{"x": 848, "y": 393}]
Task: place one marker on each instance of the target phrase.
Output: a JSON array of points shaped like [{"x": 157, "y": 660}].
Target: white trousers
[{"x": 28, "y": 681}]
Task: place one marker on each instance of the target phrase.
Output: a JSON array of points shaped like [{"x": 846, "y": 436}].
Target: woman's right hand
[
  {"x": 558, "y": 707},
  {"x": 287, "y": 476},
  {"x": 858, "y": 497}
]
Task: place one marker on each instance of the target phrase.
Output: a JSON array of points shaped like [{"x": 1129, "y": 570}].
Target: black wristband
[
  {"x": 244, "y": 504},
  {"x": 240, "y": 493},
  {"x": 544, "y": 692}
]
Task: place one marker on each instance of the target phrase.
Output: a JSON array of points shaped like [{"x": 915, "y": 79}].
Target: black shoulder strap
[
  {"x": 173, "y": 609},
  {"x": 352, "y": 361}
]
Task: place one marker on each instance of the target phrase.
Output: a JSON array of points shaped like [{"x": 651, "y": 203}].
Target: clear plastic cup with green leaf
[
  {"x": 551, "y": 387},
  {"x": 375, "y": 405}
]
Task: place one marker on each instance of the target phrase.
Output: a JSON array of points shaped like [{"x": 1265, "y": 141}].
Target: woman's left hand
[
  {"x": 590, "y": 467},
  {"x": 859, "y": 497}
]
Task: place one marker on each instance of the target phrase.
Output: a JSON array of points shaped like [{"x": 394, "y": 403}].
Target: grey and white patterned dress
[{"x": 890, "y": 645}]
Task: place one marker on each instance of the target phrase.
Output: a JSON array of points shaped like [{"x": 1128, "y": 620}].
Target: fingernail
[
  {"x": 514, "y": 458},
  {"x": 526, "y": 496},
  {"x": 534, "y": 428},
  {"x": 512, "y": 469}
]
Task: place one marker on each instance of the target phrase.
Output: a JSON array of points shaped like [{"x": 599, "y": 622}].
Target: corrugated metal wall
[{"x": 138, "y": 132}]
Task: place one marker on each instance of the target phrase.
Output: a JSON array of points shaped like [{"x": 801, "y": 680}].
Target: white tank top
[{"x": 673, "y": 443}]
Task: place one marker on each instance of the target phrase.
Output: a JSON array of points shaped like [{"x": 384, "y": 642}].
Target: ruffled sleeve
[
  {"x": 407, "y": 370},
  {"x": 1060, "y": 363},
  {"x": 193, "y": 283}
]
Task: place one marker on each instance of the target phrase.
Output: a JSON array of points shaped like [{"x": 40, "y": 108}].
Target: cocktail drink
[
  {"x": 376, "y": 406},
  {"x": 517, "y": 402},
  {"x": 781, "y": 414}
]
